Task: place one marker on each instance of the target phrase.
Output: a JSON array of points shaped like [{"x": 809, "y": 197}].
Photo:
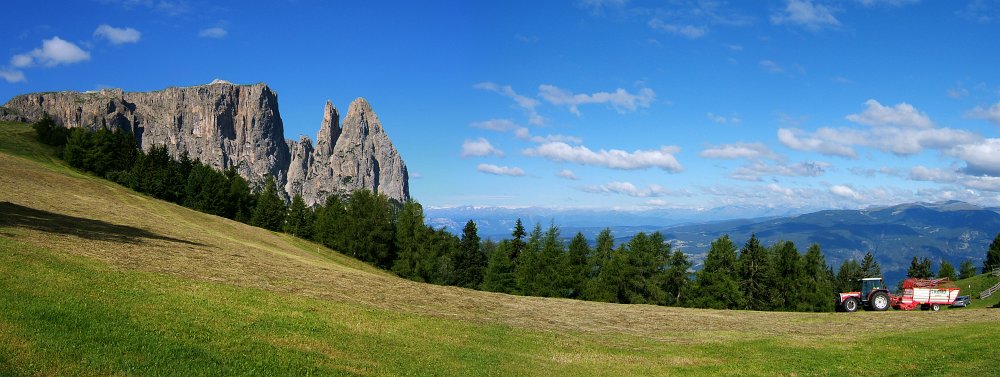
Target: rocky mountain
[{"x": 226, "y": 125}]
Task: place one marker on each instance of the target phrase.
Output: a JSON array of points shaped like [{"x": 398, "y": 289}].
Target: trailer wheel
[
  {"x": 879, "y": 301},
  {"x": 935, "y": 307},
  {"x": 851, "y": 305}
]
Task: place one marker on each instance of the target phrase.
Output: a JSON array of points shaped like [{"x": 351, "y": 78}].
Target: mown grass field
[{"x": 98, "y": 280}]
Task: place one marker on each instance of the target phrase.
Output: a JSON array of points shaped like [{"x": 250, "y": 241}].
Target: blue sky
[{"x": 597, "y": 104}]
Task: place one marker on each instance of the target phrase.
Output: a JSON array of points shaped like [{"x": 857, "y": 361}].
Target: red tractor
[{"x": 927, "y": 294}]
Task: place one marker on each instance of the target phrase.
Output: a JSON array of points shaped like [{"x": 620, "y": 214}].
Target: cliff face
[{"x": 226, "y": 125}]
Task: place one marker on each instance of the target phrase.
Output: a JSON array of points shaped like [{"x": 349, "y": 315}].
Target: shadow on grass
[{"x": 25, "y": 217}]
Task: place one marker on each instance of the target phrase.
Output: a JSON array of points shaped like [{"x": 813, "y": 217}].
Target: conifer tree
[
  {"x": 603, "y": 251},
  {"x": 967, "y": 269},
  {"x": 849, "y": 276},
  {"x": 470, "y": 259},
  {"x": 788, "y": 291},
  {"x": 677, "y": 279},
  {"x": 517, "y": 242},
  {"x": 870, "y": 267},
  {"x": 716, "y": 285},
  {"x": 755, "y": 275},
  {"x": 499, "y": 275},
  {"x": 369, "y": 228},
  {"x": 920, "y": 268},
  {"x": 992, "y": 260},
  {"x": 411, "y": 232},
  {"x": 298, "y": 222},
  {"x": 528, "y": 265},
  {"x": 817, "y": 282},
  {"x": 270, "y": 211},
  {"x": 577, "y": 266},
  {"x": 946, "y": 270}
]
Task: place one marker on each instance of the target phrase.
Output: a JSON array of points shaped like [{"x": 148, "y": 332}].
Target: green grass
[
  {"x": 975, "y": 285},
  {"x": 98, "y": 280}
]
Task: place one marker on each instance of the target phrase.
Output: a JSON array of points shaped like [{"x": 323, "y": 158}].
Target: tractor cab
[{"x": 871, "y": 284}]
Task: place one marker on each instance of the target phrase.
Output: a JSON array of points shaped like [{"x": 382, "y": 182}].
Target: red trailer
[{"x": 927, "y": 294}]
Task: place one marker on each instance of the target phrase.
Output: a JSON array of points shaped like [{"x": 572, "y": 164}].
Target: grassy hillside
[
  {"x": 97, "y": 280},
  {"x": 976, "y": 284}
]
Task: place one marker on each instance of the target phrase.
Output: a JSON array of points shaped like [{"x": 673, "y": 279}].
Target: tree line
[{"x": 391, "y": 235}]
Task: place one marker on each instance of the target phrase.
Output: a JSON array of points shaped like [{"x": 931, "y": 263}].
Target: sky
[{"x": 605, "y": 104}]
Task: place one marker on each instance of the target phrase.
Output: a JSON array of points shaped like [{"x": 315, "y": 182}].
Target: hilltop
[{"x": 97, "y": 279}]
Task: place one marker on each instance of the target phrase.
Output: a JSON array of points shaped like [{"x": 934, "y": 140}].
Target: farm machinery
[{"x": 926, "y": 294}]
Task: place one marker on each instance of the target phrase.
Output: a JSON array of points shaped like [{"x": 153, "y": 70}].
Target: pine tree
[
  {"x": 577, "y": 266},
  {"x": 270, "y": 211},
  {"x": 789, "y": 277},
  {"x": 817, "y": 282},
  {"x": 594, "y": 289},
  {"x": 946, "y": 270},
  {"x": 849, "y": 276},
  {"x": 967, "y": 270},
  {"x": 717, "y": 285},
  {"x": 369, "y": 229},
  {"x": 331, "y": 224},
  {"x": 528, "y": 264},
  {"x": 499, "y": 275},
  {"x": 410, "y": 237},
  {"x": 517, "y": 242},
  {"x": 470, "y": 260},
  {"x": 298, "y": 221},
  {"x": 920, "y": 268},
  {"x": 676, "y": 279},
  {"x": 755, "y": 275},
  {"x": 870, "y": 267},
  {"x": 992, "y": 260}
]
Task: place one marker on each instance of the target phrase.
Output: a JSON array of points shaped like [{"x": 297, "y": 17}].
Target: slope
[{"x": 96, "y": 280}]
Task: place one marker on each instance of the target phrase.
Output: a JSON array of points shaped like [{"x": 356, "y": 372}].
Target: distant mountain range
[{"x": 952, "y": 231}]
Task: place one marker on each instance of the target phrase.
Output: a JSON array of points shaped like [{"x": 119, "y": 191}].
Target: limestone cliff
[{"x": 226, "y": 125}]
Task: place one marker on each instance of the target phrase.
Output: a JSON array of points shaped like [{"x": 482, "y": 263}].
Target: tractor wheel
[
  {"x": 935, "y": 307},
  {"x": 879, "y": 301},
  {"x": 851, "y": 305}
]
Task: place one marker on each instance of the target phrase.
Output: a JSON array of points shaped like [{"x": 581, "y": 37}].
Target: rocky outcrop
[{"x": 237, "y": 126}]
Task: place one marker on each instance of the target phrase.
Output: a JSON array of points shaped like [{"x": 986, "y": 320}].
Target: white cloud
[
  {"x": 845, "y": 192},
  {"x": 630, "y": 189},
  {"x": 756, "y": 170},
  {"x": 827, "y": 141},
  {"x": 566, "y": 173},
  {"x": 500, "y": 125},
  {"x": 983, "y": 183},
  {"x": 527, "y": 104},
  {"x": 902, "y": 115},
  {"x": 525, "y": 134},
  {"x": 771, "y": 66},
  {"x": 981, "y": 158},
  {"x": 689, "y": 31},
  {"x": 478, "y": 148},
  {"x": 656, "y": 202},
  {"x": 957, "y": 93},
  {"x": 991, "y": 114},
  {"x": 922, "y": 173},
  {"x": 891, "y": 3},
  {"x": 53, "y": 52},
  {"x": 807, "y": 14},
  {"x": 118, "y": 35},
  {"x": 500, "y": 170},
  {"x": 12, "y": 75},
  {"x": 415, "y": 175},
  {"x": 722, "y": 119},
  {"x": 739, "y": 150},
  {"x": 213, "y": 32},
  {"x": 621, "y": 100},
  {"x": 614, "y": 159},
  {"x": 598, "y": 6}
]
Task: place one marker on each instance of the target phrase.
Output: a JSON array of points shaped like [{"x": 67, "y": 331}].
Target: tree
[
  {"x": 330, "y": 226},
  {"x": 717, "y": 285},
  {"x": 529, "y": 264},
  {"x": 270, "y": 211},
  {"x": 789, "y": 277},
  {"x": 470, "y": 260},
  {"x": 755, "y": 275},
  {"x": 499, "y": 273},
  {"x": 676, "y": 279},
  {"x": 411, "y": 235},
  {"x": 870, "y": 267},
  {"x": 298, "y": 221},
  {"x": 992, "y": 255},
  {"x": 848, "y": 276},
  {"x": 967, "y": 269},
  {"x": 594, "y": 289},
  {"x": 517, "y": 242},
  {"x": 369, "y": 228},
  {"x": 816, "y": 282},
  {"x": 577, "y": 266},
  {"x": 946, "y": 270},
  {"x": 49, "y": 132},
  {"x": 920, "y": 268}
]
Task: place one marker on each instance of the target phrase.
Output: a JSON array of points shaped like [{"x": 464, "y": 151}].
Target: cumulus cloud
[
  {"x": 690, "y": 31},
  {"x": 53, "y": 52},
  {"x": 756, "y": 170},
  {"x": 902, "y": 115},
  {"x": 525, "y": 134},
  {"x": 991, "y": 114},
  {"x": 845, "y": 192},
  {"x": 722, "y": 119},
  {"x": 739, "y": 150},
  {"x": 662, "y": 158},
  {"x": 630, "y": 189},
  {"x": 527, "y": 104},
  {"x": 478, "y": 148},
  {"x": 500, "y": 170},
  {"x": 12, "y": 75},
  {"x": 923, "y": 173},
  {"x": 621, "y": 100},
  {"x": 117, "y": 35},
  {"x": 981, "y": 158},
  {"x": 213, "y": 32},
  {"x": 500, "y": 125},
  {"x": 827, "y": 141},
  {"x": 566, "y": 173},
  {"x": 891, "y": 3},
  {"x": 807, "y": 14}
]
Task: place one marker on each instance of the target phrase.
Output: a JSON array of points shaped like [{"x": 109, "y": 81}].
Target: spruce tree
[
  {"x": 789, "y": 276},
  {"x": 528, "y": 264},
  {"x": 849, "y": 276},
  {"x": 369, "y": 229},
  {"x": 298, "y": 222},
  {"x": 817, "y": 282},
  {"x": 716, "y": 285},
  {"x": 577, "y": 266},
  {"x": 870, "y": 267},
  {"x": 499, "y": 273},
  {"x": 270, "y": 211},
  {"x": 470, "y": 260},
  {"x": 920, "y": 268},
  {"x": 410, "y": 238},
  {"x": 992, "y": 260},
  {"x": 517, "y": 242},
  {"x": 967, "y": 269},
  {"x": 946, "y": 270},
  {"x": 755, "y": 275}
]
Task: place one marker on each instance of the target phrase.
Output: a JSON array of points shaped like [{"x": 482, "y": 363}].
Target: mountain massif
[{"x": 237, "y": 126}]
